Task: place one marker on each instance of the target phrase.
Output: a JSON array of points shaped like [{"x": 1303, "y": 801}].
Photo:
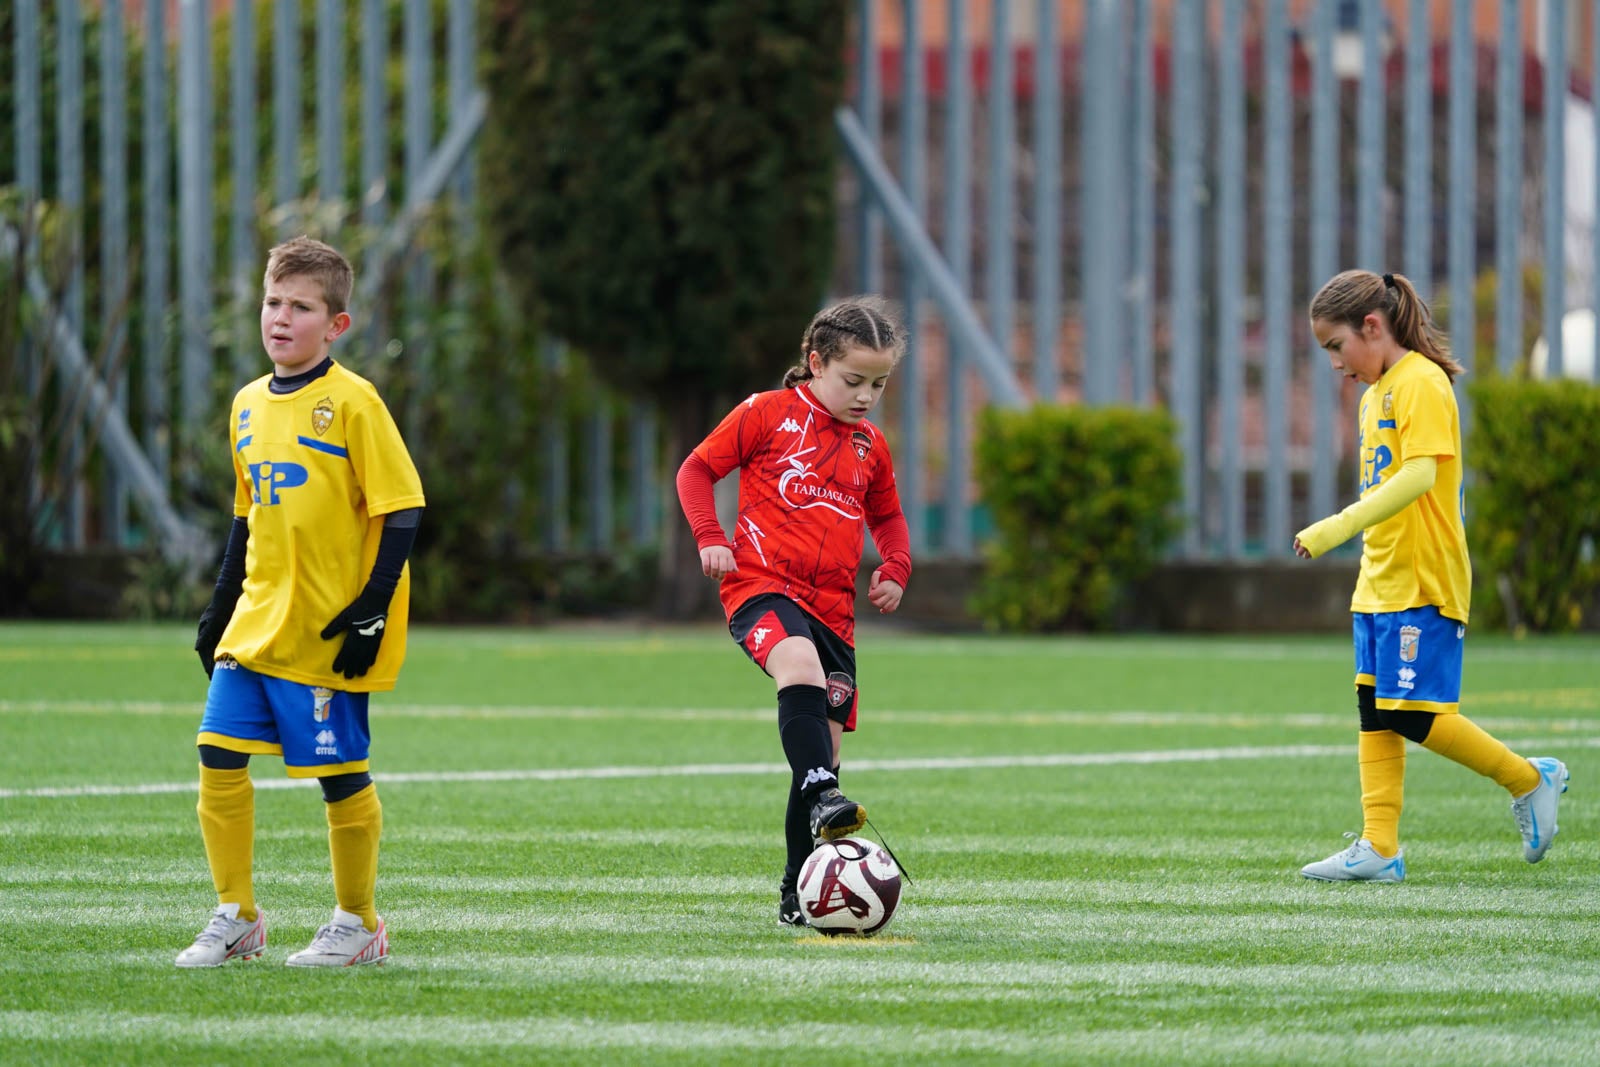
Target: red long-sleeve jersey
[{"x": 807, "y": 484}]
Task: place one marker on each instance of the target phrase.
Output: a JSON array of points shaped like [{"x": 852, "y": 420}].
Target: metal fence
[
  {"x": 1135, "y": 201},
  {"x": 1097, "y": 201}
]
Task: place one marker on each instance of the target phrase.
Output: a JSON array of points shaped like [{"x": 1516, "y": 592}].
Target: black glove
[
  {"x": 362, "y": 624},
  {"x": 213, "y": 621}
]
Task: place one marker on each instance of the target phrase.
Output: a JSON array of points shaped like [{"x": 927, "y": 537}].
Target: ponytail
[{"x": 1351, "y": 296}]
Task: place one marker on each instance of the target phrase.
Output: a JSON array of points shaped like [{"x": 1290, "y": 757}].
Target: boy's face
[{"x": 296, "y": 328}]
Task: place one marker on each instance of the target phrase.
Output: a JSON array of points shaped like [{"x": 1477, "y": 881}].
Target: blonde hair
[
  {"x": 858, "y": 320},
  {"x": 307, "y": 257},
  {"x": 1351, "y": 296}
]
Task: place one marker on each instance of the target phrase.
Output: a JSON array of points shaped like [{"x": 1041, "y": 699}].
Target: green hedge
[
  {"x": 1533, "y": 506},
  {"x": 1084, "y": 503}
]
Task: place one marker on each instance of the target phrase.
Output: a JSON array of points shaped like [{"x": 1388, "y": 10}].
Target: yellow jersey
[
  {"x": 315, "y": 472},
  {"x": 1419, "y": 556}
]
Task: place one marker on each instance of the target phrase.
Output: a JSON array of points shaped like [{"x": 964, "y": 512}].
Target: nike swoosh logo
[{"x": 236, "y": 940}]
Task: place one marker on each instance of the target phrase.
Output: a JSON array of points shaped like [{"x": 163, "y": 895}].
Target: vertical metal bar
[
  {"x": 1142, "y": 269},
  {"x": 553, "y": 445},
  {"x": 1594, "y": 241},
  {"x": 1001, "y": 243},
  {"x": 1103, "y": 203},
  {"x": 1230, "y": 274},
  {"x": 461, "y": 78},
  {"x": 1187, "y": 192},
  {"x": 913, "y": 150},
  {"x": 1046, "y": 201},
  {"x": 1419, "y": 148},
  {"x": 330, "y": 99},
  {"x": 1371, "y": 247},
  {"x": 642, "y": 431},
  {"x": 286, "y": 101},
  {"x": 114, "y": 302},
  {"x": 374, "y": 140},
  {"x": 194, "y": 225},
  {"x": 597, "y": 456},
  {"x": 418, "y": 104},
  {"x": 958, "y": 250},
  {"x": 1324, "y": 251},
  {"x": 245, "y": 269},
  {"x": 156, "y": 237},
  {"x": 1278, "y": 219},
  {"x": 1555, "y": 185},
  {"x": 869, "y": 104},
  {"x": 29, "y": 83},
  {"x": 1463, "y": 180},
  {"x": 1508, "y": 189},
  {"x": 70, "y": 188}
]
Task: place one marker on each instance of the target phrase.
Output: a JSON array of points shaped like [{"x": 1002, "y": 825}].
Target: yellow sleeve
[{"x": 1414, "y": 478}]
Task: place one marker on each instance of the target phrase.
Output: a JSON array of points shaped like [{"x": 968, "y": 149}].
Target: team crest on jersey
[
  {"x": 1388, "y": 405},
  {"x": 1410, "y": 641},
  {"x": 862, "y": 441},
  {"x": 840, "y": 686},
  {"x": 322, "y": 415},
  {"x": 321, "y": 697}
]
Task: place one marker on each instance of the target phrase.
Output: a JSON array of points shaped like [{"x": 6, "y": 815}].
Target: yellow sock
[
  {"x": 1382, "y": 755},
  {"x": 1458, "y": 738},
  {"x": 228, "y": 826},
  {"x": 354, "y": 825}
]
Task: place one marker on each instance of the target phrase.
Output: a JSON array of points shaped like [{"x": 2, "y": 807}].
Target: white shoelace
[
  {"x": 216, "y": 929},
  {"x": 330, "y": 937}
]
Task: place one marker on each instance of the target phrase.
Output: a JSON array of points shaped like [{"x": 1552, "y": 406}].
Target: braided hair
[{"x": 868, "y": 321}]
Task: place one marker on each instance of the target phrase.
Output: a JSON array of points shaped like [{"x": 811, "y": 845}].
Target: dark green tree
[{"x": 660, "y": 179}]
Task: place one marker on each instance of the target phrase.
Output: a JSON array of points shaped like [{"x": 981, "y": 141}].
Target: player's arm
[
  {"x": 225, "y": 595},
  {"x": 362, "y": 623},
  {"x": 1415, "y": 477},
  {"x": 723, "y": 449},
  {"x": 892, "y": 535}
]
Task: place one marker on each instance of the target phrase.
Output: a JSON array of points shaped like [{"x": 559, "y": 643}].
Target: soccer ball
[{"x": 849, "y": 886}]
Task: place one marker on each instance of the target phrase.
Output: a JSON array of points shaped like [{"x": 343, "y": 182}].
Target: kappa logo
[
  {"x": 815, "y": 775},
  {"x": 759, "y": 636},
  {"x": 790, "y": 426}
]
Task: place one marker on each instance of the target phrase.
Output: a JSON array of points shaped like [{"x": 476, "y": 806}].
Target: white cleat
[
  {"x": 345, "y": 942},
  {"x": 226, "y": 937},
  {"x": 1535, "y": 812},
  {"x": 1358, "y": 863}
]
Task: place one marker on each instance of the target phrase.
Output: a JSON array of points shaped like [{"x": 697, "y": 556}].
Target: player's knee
[
  {"x": 794, "y": 661},
  {"x": 223, "y": 759},
  {"x": 1409, "y": 724},
  {"x": 337, "y": 787}
]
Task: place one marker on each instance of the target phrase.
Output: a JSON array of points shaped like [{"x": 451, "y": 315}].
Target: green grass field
[{"x": 583, "y": 837}]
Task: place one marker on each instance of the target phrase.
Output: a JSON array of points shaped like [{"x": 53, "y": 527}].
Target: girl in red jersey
[{"x": 813, "y": 474}]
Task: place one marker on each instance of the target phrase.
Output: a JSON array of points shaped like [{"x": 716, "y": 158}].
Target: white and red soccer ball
[{"x": 849, "y": 886}]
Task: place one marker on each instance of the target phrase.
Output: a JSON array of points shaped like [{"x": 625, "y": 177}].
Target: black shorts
[{"x": 762, "y": 621}]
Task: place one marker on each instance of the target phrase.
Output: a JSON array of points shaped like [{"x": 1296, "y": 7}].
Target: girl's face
[
  {"x": 851, "y": 385},
  {"x": 1362, "y": 354},
  {"x": 296, "y": 328}
]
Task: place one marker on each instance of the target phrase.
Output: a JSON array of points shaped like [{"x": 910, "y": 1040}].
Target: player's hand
[
  {"x": 362, "y": 625},
  {"x": 884, "y": 594},
  {"x": 1301, "y": 550},
  {"x": 213, "y": 621},
  {"x": 717, "y": 562}
]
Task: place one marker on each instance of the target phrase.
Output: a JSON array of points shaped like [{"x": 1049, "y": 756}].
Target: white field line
[
  {"x": 914, "y": 716},
  {"x": 702, "y": 770}
]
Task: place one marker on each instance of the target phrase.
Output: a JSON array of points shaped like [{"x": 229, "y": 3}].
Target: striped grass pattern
[{"x": 583, "y": 837}]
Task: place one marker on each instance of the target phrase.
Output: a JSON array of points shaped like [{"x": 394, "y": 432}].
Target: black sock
[
  {"x": 807, "y": 738},
  {"x": 796, "y": 836}
]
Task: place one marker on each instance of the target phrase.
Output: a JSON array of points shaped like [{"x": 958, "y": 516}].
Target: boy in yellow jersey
[
  {"x": 1410, "y": 603},
  {"x": 309, "y": 612}
]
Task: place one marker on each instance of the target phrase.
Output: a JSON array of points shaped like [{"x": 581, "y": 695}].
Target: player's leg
[
  {"x": 236, "y": 723},
  {"x": 1425, "y": 676},
  {"x": 1375, "y": 855}
]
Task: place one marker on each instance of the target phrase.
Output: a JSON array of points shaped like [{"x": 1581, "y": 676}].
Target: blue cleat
[{"x": 1535, "y": 812}]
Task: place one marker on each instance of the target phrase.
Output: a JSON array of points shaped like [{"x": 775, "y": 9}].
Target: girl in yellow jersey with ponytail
[{"x": 1410, "y": 602}]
